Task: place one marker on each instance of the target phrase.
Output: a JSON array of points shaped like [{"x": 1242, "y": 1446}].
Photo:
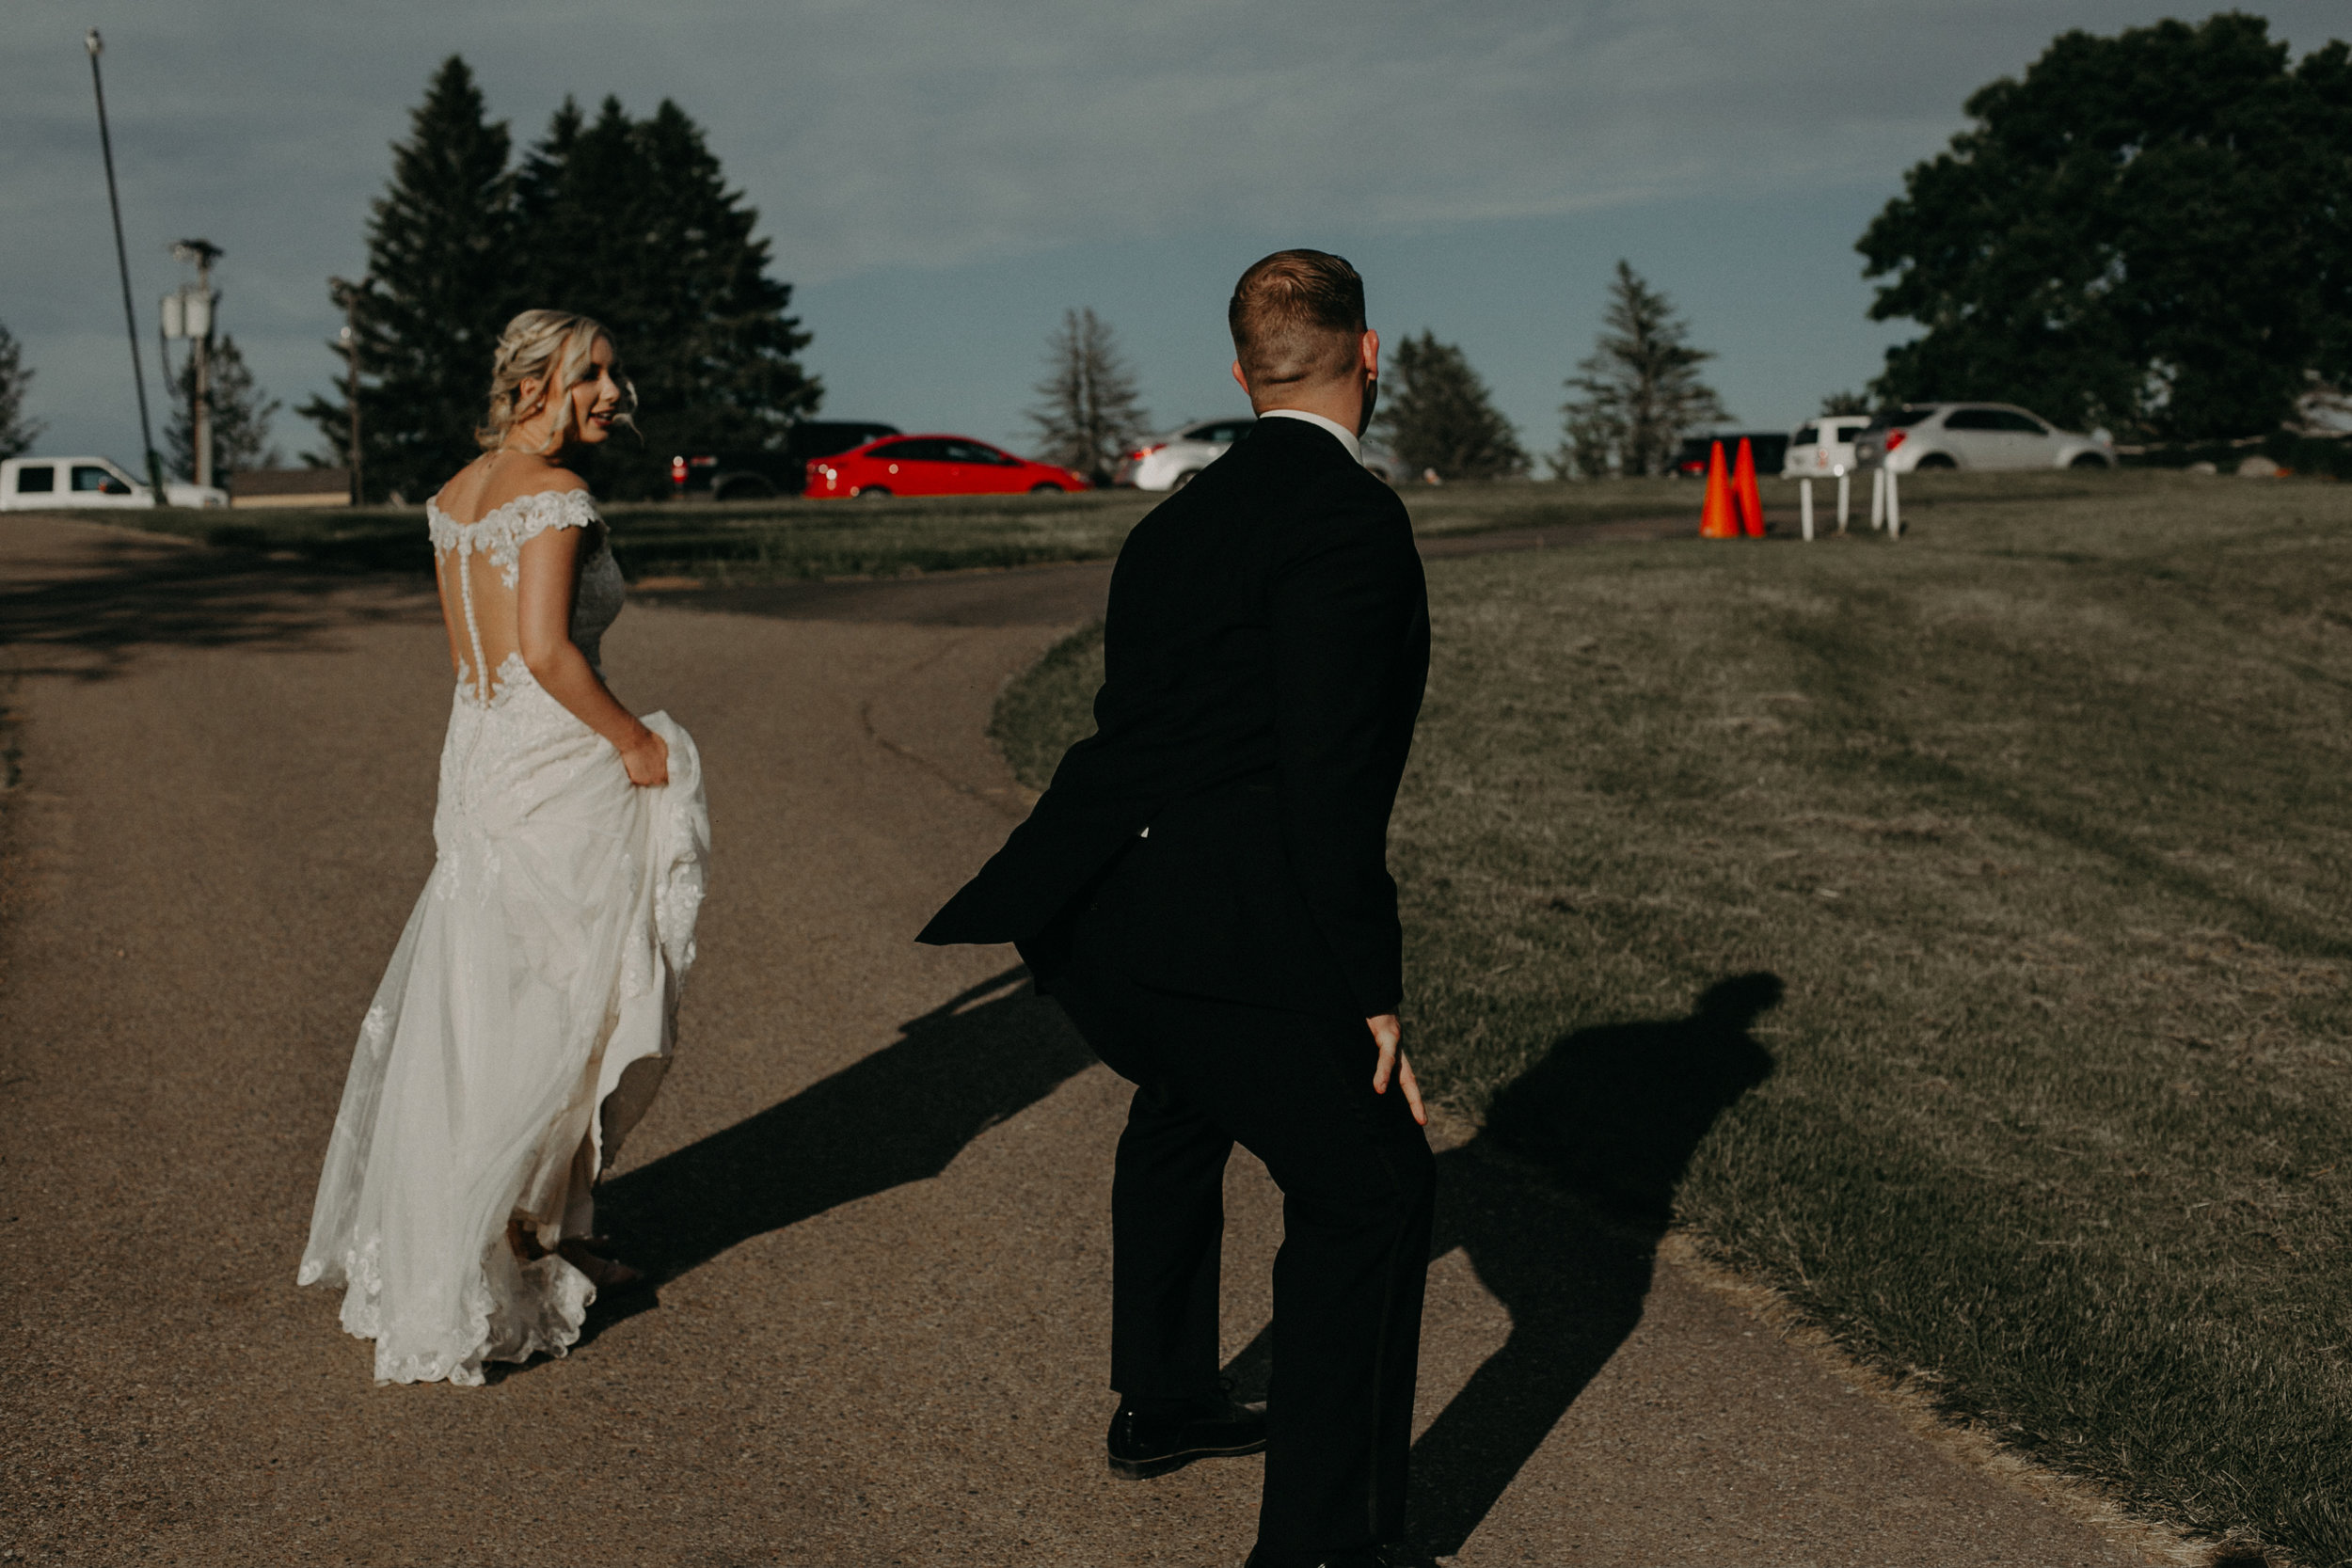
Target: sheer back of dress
[{"x": 478, "y": 565}]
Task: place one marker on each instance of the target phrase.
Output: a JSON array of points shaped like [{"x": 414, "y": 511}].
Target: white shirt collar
[{"x": 1347, "y": 437}]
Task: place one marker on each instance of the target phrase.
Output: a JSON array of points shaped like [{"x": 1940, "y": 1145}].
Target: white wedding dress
[{"x": 528, "y": 1011}]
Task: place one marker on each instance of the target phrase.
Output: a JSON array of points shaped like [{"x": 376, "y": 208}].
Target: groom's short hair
[{"x": 1296, "y": 317}]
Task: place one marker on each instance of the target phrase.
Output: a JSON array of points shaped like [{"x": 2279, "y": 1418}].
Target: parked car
[
  {"x": 740, "y": 475},
  {"x": 933, "y": 465},
  {"x": 1170, "y": 462},
  {"x": 48, "y": 483},
  {"x": 1823, "y": 449},
  {"x": 1974, "y": 436},
  {"x": 1769, "y": 449}
]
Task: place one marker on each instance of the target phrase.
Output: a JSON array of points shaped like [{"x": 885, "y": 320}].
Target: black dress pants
[{"x": 1357, "y": 1179}]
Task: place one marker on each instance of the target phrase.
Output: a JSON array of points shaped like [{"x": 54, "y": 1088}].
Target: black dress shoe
[{"x": 1151, "y": 1439}]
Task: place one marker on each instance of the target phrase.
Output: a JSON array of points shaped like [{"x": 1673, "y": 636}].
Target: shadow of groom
[
  {"x": 900, "y": 1114},
  {"x": 1559, "y": 1204}
]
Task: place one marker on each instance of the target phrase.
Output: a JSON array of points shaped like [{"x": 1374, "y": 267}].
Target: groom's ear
[{"x": 1241, "y": 381}]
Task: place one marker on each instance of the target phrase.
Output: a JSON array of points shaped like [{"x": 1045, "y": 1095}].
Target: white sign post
[{"x": 1804, "y": 507}]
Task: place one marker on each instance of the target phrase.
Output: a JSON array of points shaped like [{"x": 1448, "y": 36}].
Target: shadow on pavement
[
  {"x": 899, "y": 1115},
  {"x": 81, "y": 605},
  {"x": 1560, "y": 1203}
]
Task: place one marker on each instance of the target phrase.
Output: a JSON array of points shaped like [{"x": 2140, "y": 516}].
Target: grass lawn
[
  {"x": 2042, "y": 818},
  {"x": 770, "y": 541}
]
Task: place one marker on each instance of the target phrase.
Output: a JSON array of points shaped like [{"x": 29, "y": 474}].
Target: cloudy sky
[{"x": 941, "y": 178}]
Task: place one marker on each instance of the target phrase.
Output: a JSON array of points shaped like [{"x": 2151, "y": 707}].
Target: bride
[{"x": 527, "y": 1015}]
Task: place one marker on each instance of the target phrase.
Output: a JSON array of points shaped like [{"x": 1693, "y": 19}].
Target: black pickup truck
[{"x": 744, "y": 476}]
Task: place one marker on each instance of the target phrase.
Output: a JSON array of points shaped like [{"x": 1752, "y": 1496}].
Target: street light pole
[
  {"x": 199, "y": 323},
  {"x": 122, "y": 262},
  {"x": 349, "y": 293}
]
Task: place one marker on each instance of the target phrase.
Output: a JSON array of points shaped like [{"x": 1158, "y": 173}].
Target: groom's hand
[{"x": 1387, "y": 1033}]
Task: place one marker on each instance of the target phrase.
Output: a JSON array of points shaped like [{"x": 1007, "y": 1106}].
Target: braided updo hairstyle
[{"x": 550, "y": 347}]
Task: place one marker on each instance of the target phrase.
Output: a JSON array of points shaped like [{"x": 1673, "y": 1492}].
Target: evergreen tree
[
  {"x": 632, "y": 222},
  {"x": 2151, "y": 232},
  {"x": 1845, "y": 403},
  {"x": 442, "y": 264},
  {"x": 17, "y": 433},
  {"x": 1089, "y": 415},
  {"x": 1640, "y": 387},
  {"x": 1438, "y": 416},
  {"x": 240, "y": 415},
  {"x": 1588, "y": 445}
]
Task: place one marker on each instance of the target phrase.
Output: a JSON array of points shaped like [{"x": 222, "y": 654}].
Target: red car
[{"x": 933, "y": 465}]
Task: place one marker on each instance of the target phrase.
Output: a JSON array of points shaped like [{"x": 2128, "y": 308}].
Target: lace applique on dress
[
  {"x": 499, "y": 535},
  {"x": 502, "y": 531}
]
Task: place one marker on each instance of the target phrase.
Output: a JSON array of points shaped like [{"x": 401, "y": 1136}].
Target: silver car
[
  {"x": 1923, "y": 435},
  {"x": 1175, "y": 458}
]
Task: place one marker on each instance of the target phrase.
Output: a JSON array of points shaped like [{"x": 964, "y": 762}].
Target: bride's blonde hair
[{"x": 550, "y": 347}]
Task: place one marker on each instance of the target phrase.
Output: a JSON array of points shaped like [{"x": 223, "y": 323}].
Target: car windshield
[{"x": 1902, "y": 418}]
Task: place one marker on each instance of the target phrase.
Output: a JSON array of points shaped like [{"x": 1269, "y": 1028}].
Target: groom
[{"x": 1204, "y": 888}]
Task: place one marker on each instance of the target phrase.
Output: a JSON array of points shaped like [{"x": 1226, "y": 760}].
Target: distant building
[{"x": 290, "y": 487}]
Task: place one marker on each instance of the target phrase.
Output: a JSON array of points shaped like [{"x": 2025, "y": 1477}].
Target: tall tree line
[
  {"x": 2151, "y": 232},
  {"x": 626, "y": 220}
]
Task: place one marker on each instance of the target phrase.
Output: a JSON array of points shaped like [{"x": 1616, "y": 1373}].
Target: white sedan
[
  {"x": 1920, "y": 435},
  {"x": 1174, "y": 458}
]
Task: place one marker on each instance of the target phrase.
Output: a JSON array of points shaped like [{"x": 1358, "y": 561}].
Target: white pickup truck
[{"x": 49, "y": 483}]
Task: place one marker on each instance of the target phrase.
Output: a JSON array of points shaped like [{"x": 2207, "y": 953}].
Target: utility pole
[
  {"x": 349, "y": 294},
  {"x": 122, "y": 262},
  {"x": 200, "y": 325}
]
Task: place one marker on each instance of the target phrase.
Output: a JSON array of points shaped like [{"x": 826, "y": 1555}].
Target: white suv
[
  {"x": 47, "y": 483},
  {"x": 1824, "y": 448},
  {"x": 1174, "y": 458},
  {"x": 1974, "y": 436}
]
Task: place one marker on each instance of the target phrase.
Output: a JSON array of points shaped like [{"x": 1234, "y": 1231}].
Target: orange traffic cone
[
  {"x": 1743, "y": 490},
  {"x": 1719, "y": 520}
]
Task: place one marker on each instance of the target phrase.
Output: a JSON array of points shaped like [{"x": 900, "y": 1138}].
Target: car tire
[
  {"x": 1047, "y": 490},
  {"x": 872, "y": 491},
  {"x": 1185, "y": 478},
  {"x": 2089, "y": 460},
  {"x": 1933, "y": 460},
  {"x": 744, "y": 487}
]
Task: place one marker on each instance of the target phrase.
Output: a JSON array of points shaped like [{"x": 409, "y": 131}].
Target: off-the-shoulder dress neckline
[{"x": 433, "y": 504}]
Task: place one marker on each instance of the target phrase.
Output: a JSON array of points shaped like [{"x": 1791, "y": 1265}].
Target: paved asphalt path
[{"x": 876, "y": 1186}]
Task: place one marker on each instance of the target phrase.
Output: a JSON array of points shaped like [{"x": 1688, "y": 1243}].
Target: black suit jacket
[{"x": 1264, "y": 652}]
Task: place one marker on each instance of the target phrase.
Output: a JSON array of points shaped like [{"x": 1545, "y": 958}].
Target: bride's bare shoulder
[
  {"x": 461, "y": 498},
  {"x": 484, "y": 485}
]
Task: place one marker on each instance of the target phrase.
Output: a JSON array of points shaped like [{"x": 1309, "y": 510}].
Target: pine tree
[
  {"x": 17, "y": 433},
  {"x": 442, "y": 264},
  {"x": 632, "y": 222},
  {"x": 1089, "y": 414},
  {"x": 1439, "y": 417},
  {"x": 1640, "y": 387},
  {"x": 240, "y": 415}
]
